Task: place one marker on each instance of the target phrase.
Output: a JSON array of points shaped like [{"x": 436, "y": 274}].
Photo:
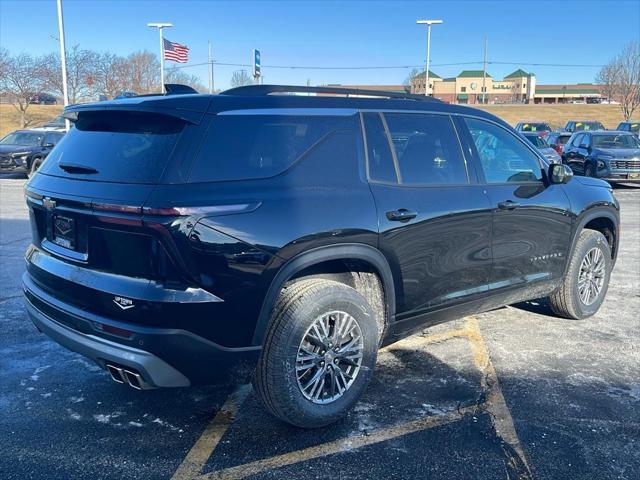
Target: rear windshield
[
  {"x": 240, "y": 147},
  {"x": 126, "y": 147},
  {"x": 616, "y": 141},
  {"x": 587, "y": 126},
  {"x": 537, "y": 141},
  {"x": 535, "y": 127}
]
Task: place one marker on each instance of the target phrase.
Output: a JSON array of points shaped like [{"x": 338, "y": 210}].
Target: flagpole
[
  {"x": 161, "y": 26},
  {"x": 210, "y": 70},
  {"x": 63, "y": 61}
]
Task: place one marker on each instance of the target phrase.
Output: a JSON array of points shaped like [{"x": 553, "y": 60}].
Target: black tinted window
[
  {"x": 381, "y": 166},
  {"x": 53, "y": 138},
  {"x": 536, "y": 141},
  {"x": 239, "y": 147},
  {"x": 427, "y": 149},
  {"x": 127, "y": 147},
  {"x": 503, "y": 156}
]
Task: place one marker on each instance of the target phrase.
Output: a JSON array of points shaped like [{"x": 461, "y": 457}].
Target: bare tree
[
  {"x": 240, "y": 78},
  {"x": 21, "y": 79},
  {"x": 111, "y": 75},
  {"x": 81, "y": 65},
  {"x": 607, "y": 79},
  {"x": 410, "y": 80},
  {"x": 620, "y": 78},
  {"x": 176, "y": 75},
  {"x": 144, "y": 72}
]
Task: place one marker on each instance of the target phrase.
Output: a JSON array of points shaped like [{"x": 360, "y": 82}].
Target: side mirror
[{"x": 560, "y": 173}]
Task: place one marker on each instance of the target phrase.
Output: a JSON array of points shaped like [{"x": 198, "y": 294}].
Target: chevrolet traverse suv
[{"x": 187, "y": 239}]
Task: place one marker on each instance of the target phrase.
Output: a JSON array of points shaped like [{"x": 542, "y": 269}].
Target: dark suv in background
[
  {"x": 579, "y": 125},
  {"x": 185, "y": 239},
  {"x": 613, "y": 156},
  {"x": 23, "y": 151}
]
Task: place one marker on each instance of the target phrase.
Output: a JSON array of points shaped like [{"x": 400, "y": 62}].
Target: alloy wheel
[
  {"x": 591, "y": 276},
  {"x": 329, "y": 357}
]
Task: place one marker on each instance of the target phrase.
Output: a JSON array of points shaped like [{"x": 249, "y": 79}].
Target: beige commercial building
[{"x": 473, "y": 87}]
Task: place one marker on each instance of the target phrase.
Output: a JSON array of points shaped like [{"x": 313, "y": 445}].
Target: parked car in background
[
  {"x": 633, "y": 127},
  {"x": 43, "y": 99},
  {"x": 579, "y": 125},
  {"x": 594, "y": 100},
  {"x": 122, "y": 95},
  {"x": 541, "y": 128},
  {"x": 23, "y": 151},
  {"x": 610, "y": 155},
  {"x": 56, "y": 123},
  {"x": 543, "y": 147},
  {"x": 557, "y": 141},
  {"x": 181, "y": 239}
]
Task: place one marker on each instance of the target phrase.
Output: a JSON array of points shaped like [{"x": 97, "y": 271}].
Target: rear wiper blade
[{"x": 76, "y": 168}]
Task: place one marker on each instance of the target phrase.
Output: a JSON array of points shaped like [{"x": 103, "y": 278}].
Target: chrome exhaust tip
[
  {"x": 117, "y": 374},
  {"x": 134, "y": 380}
]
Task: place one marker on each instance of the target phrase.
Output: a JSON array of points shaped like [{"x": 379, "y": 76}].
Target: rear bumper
[
  {"x": 162, "y": 357},
  {"x": 155, "y": 372}
]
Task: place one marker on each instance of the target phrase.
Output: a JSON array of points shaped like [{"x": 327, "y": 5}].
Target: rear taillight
[
  {"x": 109, "y": 207},
  {"x": 558, "y": 148},
  {"x": 202, "y": 210}
]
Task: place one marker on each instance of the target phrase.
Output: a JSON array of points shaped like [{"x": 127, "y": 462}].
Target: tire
[
  {"x": 567, "y": 301},
  {"x": 588, "y": 171},
  {"x": 280, "y": 386},
  {"x": 35, "y": 165}
]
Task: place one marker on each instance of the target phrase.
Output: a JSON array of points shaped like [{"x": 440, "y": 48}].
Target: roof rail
[
  {"x": 263, "y": 90},
  {"x": 178, "y": 89}
]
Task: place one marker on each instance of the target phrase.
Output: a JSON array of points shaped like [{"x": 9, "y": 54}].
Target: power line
[
  {"x": 314, "y": 67},
  {"x": 390, "y": 67}
]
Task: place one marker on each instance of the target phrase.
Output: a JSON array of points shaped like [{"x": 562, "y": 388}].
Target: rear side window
[
  {"x": 381, "y": 163},
  {"x": 125, "y": 147},
  {"x": 241, "y": 147},
  {"x": 536, "y": 141},
  {"x": 427, "y": 149},
  {"x": 503, "y": 156}
]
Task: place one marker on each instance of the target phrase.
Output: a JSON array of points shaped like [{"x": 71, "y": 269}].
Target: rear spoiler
[{"x": 188, "y": 108}]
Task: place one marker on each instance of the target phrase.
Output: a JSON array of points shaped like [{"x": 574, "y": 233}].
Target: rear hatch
[{"x": 86, "y": 209}]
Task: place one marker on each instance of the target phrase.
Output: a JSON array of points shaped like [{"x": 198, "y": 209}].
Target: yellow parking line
[
  {"x": 495, "y": 402},
  {"x": 495, "y": 405},
  {"x": 337, "y": 446},
  {"x": 192, "y": 465}
]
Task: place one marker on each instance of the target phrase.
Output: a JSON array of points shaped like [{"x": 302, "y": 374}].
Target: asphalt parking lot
[{"x": 514, "y": 393}]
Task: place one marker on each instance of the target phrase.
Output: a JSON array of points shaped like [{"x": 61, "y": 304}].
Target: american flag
[{"x": 175, "y": 52}]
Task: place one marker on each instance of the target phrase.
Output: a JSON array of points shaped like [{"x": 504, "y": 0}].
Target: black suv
[
  {"x": 23, "y": 151},
  {"x": 185, "y": 239}
]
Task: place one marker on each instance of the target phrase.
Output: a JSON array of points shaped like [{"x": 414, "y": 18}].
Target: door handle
[
  {"x": 508, "y": 205},
  {"x": 401, "y": 215}
]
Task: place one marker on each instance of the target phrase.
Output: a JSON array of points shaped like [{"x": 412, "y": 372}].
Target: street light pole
[
  {"x": 428, "y": 23},
  {"x": 63, "y": 61},
  {"x": 210, "y": 70},
  {"x": 160, "y": 26}
]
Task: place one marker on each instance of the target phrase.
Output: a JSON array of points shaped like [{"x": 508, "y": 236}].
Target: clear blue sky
[{"x": 367, "y": 33}]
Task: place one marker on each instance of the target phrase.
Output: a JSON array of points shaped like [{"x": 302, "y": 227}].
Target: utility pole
[
  {"x": 428, "y": 23},
  {"x": 63, "y": 61},
  {"x": 484, "y": 74},
  {"x": 210, "y": 70},
  {"x": 160, "y": 26}
]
